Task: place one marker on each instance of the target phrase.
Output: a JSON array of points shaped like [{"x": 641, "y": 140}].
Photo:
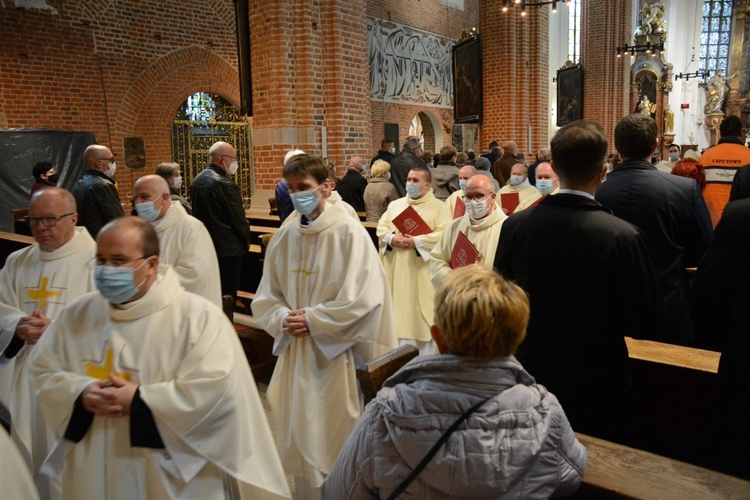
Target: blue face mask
[
  {"x": 413, "y": 189},
  {"x": 462, "y": 184},
  {"x": 515, "y": 180},
  {"x": 545, "y": 186},
  {"x": 116, "y": 283},
  {"x": 147, "y": 211},
  {"x": 305, "y": 202}
]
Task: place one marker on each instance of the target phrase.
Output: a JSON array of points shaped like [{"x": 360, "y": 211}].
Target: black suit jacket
[
  {"x": 590, "y": 283},
  {"x": 98, "y": 201},
  {"x": 740, "y": 184},
  {"x": 671, "y": 212},
  {"x": 400, "y": 166},
  {"x": 352, "y": 189}
]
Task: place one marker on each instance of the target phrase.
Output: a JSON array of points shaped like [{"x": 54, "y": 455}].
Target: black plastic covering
[{"x": 20, "y": 149}]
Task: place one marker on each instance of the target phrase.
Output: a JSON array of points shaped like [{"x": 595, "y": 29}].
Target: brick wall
[
  {"x": 606, "y": 77},
  {"x": 515, "y": 65}
]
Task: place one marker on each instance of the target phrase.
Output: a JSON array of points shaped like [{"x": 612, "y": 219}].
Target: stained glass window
[
  {"x": 717, "y": 23},
  {"x": 200, "y": 107},
  {"x": 574, "y": 30}
]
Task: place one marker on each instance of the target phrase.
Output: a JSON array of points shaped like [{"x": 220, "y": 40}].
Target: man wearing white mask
[
  {"x": 519, "y": 182},
  {"x": 547, "y": 183},
  {"x": 96, "y": 195},
  {"x": 481, "y": 224},
  {"x": 464, "y": 174},
  {"x": 147, "y": 388},
  {"x": 407, "y": 259},
  {"x": 184, "y": 242},
  {"x": 217, "y": 203},
  {"x": 325, "y": 299}
]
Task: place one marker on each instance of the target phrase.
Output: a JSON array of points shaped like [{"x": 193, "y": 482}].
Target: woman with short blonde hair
[{"x": 379, "y": 192}]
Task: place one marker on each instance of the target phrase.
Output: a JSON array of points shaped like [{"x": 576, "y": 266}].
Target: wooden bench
[
  {"x": 372, "y": 374},
  {"x": 617, "y": 471},
  {"x": 10, "y": 242}
]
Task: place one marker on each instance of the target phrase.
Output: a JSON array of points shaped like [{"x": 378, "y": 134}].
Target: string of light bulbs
[{"x": 507, "y": 4}]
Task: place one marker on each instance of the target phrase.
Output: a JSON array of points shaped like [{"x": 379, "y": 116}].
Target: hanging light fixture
[{"x": 524, "y": 3}]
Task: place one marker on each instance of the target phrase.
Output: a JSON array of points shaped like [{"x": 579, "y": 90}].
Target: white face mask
[
  {"x": 110, "y": 172},
  {"x": 477, "y": 209},
  {"x": 177, "y": 182},
  {"x": 233, "y": 168},
  {"x": 393, "y": 150}
]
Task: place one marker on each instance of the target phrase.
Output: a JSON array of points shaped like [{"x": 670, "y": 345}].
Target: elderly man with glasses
[
  {"x": 35, "y": 284},
  {"x": 96, "y": 194}
]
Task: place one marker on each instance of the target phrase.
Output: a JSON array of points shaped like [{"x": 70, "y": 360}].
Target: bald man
[
  {"x": 547, "y": 183},
  {"x": 96, "y": 195},
  {"x": 353, "y": 184},
  {"x": 501, "y": 168},
  {"x": 147, "y": 387},
  {"x": 519, "y": 183},
  {"x": 184, "y": 242},
  {"x": 217, "y": 203},
  {"x": 35, "y": 284},
  {"x": 481, "y": 224},
  {"x": 464, "y": 174}
]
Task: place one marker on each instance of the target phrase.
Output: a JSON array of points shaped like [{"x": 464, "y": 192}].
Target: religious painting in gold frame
[
  {"x": 569, "y": 94},
  {"x": 467, "y": 81}
]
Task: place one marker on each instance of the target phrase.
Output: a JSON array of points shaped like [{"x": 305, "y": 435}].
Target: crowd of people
[{"x": 121, "y": 372}]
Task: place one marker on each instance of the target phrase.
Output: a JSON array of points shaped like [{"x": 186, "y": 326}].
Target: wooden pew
[
  {"x": 10, "y": 242},
  {"x": 617, "y": 471},
  {"x": 372, "y": 374}
]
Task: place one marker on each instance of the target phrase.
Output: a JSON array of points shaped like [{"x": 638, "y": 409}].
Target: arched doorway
[
  {"x": 426, "y": 126},
  {"x": 201, "y": 120}
]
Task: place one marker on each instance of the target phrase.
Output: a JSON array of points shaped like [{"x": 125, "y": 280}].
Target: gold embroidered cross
[
  {"x": 41, "y": 294},
  {"x": 102, "y": 372},
  {"x": 305, "y": 272}
]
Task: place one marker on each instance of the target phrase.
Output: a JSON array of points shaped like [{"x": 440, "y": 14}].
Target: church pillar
[
  {"x": 606, "y": 77},
  {"x": 515, "y": 65}
]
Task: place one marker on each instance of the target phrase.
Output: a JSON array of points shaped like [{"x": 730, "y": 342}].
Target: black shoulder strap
[{"x": 406, "y": 482}]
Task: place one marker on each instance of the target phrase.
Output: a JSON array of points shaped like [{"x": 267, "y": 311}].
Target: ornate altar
[{"x": 650, "y": 75}]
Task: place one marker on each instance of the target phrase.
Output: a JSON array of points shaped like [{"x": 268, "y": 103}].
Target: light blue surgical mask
[
  {"x": 413, "y": 189},
  {"x": 673, "y": 157},
  {"x": 545, "y": 186},
  {"x": 515, "y": 180},
  {"x": 116, "y": 283},
  {"x": 305, "y": 202},
  {"x": 147, "y": 211},
  {"x": 462, "y": 184}
]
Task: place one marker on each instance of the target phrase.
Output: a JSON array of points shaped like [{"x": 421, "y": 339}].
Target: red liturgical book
[
  {"x": 409, "y": 222},
  {"x": 509, "y": 201},
  {"x": 464, "y": 252},
  {"x": 460, "y": 209}
]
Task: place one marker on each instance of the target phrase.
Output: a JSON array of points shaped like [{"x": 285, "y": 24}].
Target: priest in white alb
[
  {"x": 519, "y": 183},
  {"x": 35, "y": 284},
  {"x": 147, "y": 388},
  {"x": 464, "y": 174},
  {"x": 184, "y": 242},
  {"x": 324, "y": 297},
  {"x": 481, "y": 224},
  {"x": 407, "y": 259},
  {"x": 547, "y": 183}
]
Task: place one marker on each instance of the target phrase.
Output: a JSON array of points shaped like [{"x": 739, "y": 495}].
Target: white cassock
[
  {"x": 34, "y": 279},
  {"x": 330, "y": 269},
  {"x": 409, "y": 270},
  {"x": 184, "y": 244},
  {"x": 334, "y": 199},
  {"x": 531, "y": 200},
  {"x": 193, "y": 378},
  {"x": 524, "y": 190},
  {"x": 14, "y": 476},
  {"x": 484, "y": 234},
  {"x": 453, "y": 199}
]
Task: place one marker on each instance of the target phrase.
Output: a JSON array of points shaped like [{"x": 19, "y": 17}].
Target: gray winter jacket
[
  {"x": 444, "y": 181},
  {"x": 519, "y": 444}
]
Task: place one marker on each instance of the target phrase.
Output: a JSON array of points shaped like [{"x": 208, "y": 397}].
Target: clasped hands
[
  {"x": 295, "y": 324},
  {"x": 403, "y": 241},
  {"x": 30, "y": 328},
  {"x": 109, "y": 398}
]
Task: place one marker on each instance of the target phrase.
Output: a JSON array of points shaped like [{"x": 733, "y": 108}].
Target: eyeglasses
[
  {"x": 47, "y": 221},
  {"x": 106, "y": 159},
  {"x": 476, "y": 197},
  {"x": 99, "y": 261}
]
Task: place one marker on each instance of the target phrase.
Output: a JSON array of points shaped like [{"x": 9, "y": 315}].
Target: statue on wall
[
  {"x": 716, "y": 89},
  {"x": 653, "y": 20},
  {"x": 645, "y": 107},
  {"x": 668, "y": 120}
]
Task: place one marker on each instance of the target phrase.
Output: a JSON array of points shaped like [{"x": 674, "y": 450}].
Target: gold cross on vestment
[
  {"x": 102, "y": 372},
  {"x": 305, "y": 272},
  {"x": 41, "y": 294}
]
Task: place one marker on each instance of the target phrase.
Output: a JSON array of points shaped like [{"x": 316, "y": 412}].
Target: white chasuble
[
  {"x": 525, "y": 191},
  {"x": 330, "y": 269},
  {"x": 193, "y": 376},
  {"x": 15, "y": 478},
  {"x": 533, "y": 200},
  {"x": 33, "y": 279},
  {"x": 409, "y": 270},
  {"x": 334, "y": 199},
  {"x": 184, "y": 244},
  {"x": 484, "y": 234},
  {"x": 453, "y": 199}
]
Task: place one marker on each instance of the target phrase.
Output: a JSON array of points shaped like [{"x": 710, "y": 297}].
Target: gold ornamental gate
[{"x": 203, "y": 119}]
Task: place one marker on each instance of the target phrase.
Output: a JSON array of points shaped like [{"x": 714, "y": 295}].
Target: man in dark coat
[
  {"x": 386, "y": 153},
  {"x": 352, "y": 186},
  {"x": 719, "y": 297},
  {"x": 590, "y": 283},
  {"x": 406, "y": 160},
  {"x": 217, "y": 203},
  {"x": 670, "y": 210},
  {"x": 96, "y": 195}
]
